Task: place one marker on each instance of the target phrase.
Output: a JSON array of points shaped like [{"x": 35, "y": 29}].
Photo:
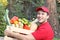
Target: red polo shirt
[{"x": 44, "y": 32}]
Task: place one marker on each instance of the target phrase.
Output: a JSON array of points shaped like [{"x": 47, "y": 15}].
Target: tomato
[
  {"x": 15, "y": 22},
  {"x": 25, "y": 26},
  {"x": 15, "y": 17},
  {"x": 12, "y": 21}
]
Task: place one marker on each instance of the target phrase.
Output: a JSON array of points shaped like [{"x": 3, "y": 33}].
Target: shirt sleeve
[{"x": 39, "y": 34}]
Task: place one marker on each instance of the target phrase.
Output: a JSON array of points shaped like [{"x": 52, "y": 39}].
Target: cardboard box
[{"x": 18, "y": 30}]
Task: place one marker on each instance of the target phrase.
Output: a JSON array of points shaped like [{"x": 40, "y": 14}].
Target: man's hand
[
  {"x": 9, "y": 35},
  {"x": 8, "y": 32},
  {"x": 18, "y": 36}
]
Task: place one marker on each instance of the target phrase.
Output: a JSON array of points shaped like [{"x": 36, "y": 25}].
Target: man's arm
[{"x": 19, "y": 36}]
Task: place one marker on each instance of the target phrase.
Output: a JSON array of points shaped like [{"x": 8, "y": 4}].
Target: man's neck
[{"x": 43, "y": 22}]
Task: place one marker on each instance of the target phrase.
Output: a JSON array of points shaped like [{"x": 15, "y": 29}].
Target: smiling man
[{"x": 43, "y": 32}]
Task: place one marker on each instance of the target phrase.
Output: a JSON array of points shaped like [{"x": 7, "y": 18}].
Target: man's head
[{"x": 42, "y": 14}]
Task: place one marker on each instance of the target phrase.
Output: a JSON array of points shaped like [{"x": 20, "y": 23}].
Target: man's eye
[{"x": 42, "y": 13}]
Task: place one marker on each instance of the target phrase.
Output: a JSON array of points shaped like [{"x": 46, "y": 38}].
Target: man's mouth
[{"x": 39, "y": 18}]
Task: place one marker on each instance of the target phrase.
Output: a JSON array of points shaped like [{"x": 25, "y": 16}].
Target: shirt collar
[{"x": 43, "y": 23}]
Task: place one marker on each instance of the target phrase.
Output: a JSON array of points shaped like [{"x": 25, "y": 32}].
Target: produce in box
[
  {"x": 23, "y": 23},
  {"x": 20, "y": 23}
]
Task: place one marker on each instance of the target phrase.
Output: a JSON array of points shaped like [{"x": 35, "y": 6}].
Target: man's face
[{"x": 42, "y": 16}]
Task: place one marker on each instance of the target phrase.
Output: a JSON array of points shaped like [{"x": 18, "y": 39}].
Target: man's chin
[{"x": 40, "y": 21}]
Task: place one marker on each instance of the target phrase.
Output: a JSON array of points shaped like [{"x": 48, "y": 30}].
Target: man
[{"x": 43, "y": 32}]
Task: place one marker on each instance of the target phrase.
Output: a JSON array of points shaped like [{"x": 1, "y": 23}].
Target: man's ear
[{"x": 47, "y": 16}]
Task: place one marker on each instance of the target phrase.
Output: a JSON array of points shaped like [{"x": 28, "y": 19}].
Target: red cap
[{"x": 43, "y": 8}]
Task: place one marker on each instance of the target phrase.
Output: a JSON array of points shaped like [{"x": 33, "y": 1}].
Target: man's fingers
[{"x": 7, "y": 32}]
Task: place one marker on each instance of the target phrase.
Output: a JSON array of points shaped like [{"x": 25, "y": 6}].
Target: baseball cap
[{"x": 43, "y": 8}]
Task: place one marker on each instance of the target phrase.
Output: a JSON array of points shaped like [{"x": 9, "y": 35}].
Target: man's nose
[{"x": 40, "y": 15}]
